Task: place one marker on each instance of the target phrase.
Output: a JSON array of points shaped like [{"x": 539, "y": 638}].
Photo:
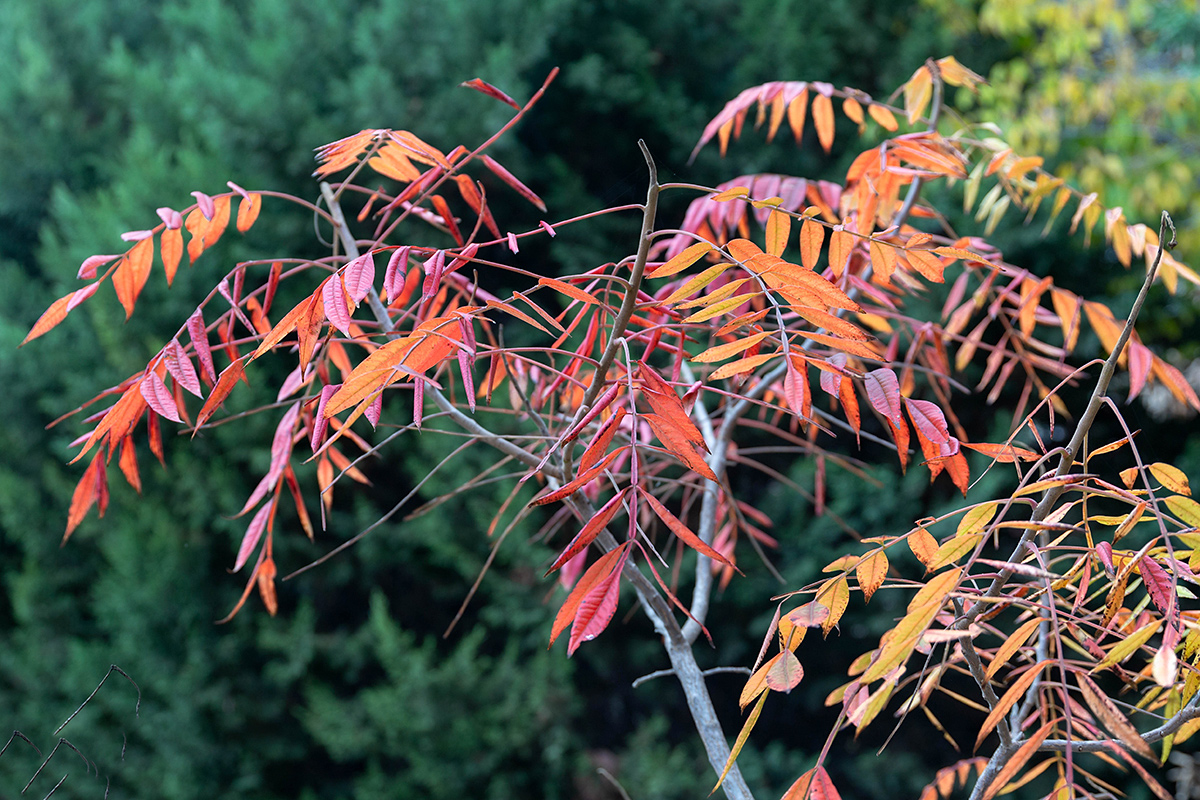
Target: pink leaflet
[
  {"x": 180, "y": 367},
  {"x": 375, "y": 410},
  {"x": 196, "y": 329},
  {"x": 831, "y": 382},
  {"x": 320, "y": 422},
  {"x": 929, "y": 420},
  {"x": 253, "y": 533},
  {"x": 596, "y": 609},
  {"x": 883, "y": 391},
  {"x": 464, "y": 366},
  {"x": 359, "y": 276},
  {"x": 136, "y": 236},
  {"x": 334, "y": 299},
  {"x": 87, "y": 270},
  {"x": 281, "y": 450},
  {"x": 393, "y": 276},
  {"x": 293, "y": 382},
  {"x": 159, "y": 397},
  {"x": 170, "y": 217},
  {"x": 434, "y": 266},
  {"x": 547, "y": 228},
  {"x": 79, "y": 295},
  {"x": 206, "y": 205}
]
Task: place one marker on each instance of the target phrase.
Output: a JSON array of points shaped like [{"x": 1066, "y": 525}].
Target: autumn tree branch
[{"x": 675, "y": 642}]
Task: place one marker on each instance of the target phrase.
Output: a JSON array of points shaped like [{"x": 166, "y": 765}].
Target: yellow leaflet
[
  {"x": 682, "y": 261},
  {"x": 730, "y": 193},
  {"x": 975, "y": 520},
  {"x": 921, "y": 611},
  {"x": 717, "y": 309},
  {"x": 740, "y": 366},
  {"x": 1122, "y": 650},
  {"x": 741, "y": 739},
  {"x": 1186, "y": 509},
  {"x": 1172, "y": 478},
  {"x": 723, "y": 351},
  {"x": 697, "y": 283},
  {"x": 954, "y": 549},
  {"x": 717, "y": 295},
  {"x": 834, "y": 595},
  {"x": 871, "y": 571}
]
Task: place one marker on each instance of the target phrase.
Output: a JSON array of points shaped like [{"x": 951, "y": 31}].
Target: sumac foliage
[{"x": 776, "y": 307}]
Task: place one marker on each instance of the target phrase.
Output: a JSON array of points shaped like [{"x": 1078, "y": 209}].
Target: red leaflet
[
  {"x": 1158, "y": 585},
  {"x": 491, "y": 91},
  {"x": 585, "y": 477},
  {"x": 511, "y": 180},
  {"x": 929, "y": 420},
  {"x": 602, "y": 440},
  {"x": 205, "y": 204},
  {"x": 225, "y": 384},
  {"x": 320, "y": 422},
  {"x": 590, "y": 530},
  {"x": 796, "y": 389},
  {"x": 199, "y": 335},
  {"x": 683, "y": 531},
  {"x": 596, "y": 573},
  {"x": 596, "y": 608}
]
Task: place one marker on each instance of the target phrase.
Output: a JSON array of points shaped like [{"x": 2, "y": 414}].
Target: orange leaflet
[
  {"x": 58, "y": 311},
  {"x": 567, "y": 289},
  {"x": 812, "y": 236},
  {"x": 85, "y": 494},
  {"x": 723, "y": 351},
  {"x": 601, "y": 569},
  {"x": 681, "y": 261},
  {"x": 585, "y": 477},
  {"x": 779, "y": 227},
  {"x": 683, "y": 531},
  {"x": 883, "y": 116},
  {"x": 248, "y": 211},
  {"x": 812, "y": 785},
  {"x": 676, "y": 440},
  {"x": 119, "y": 421},
  {"x": 840, "y": 245},
  {"x": 917, "y": 93},
  {"x": 822, "y": 111},
  {"x": 603, "y": 439},
  {"x": 128, "y": 464},
  {"x": 871, "y": 571},
  {"x": 131, "y": 274},
  {"x": 171, "y": 250},
  {"x": 431, "y": 342},
  {"x": 225, "y": 384},
  {"x": 1014, "y": 693},
  {"x": 861, "y": 349}
]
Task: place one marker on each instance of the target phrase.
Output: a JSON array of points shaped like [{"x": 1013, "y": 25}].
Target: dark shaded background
[{"x": 115, "y": 107}]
